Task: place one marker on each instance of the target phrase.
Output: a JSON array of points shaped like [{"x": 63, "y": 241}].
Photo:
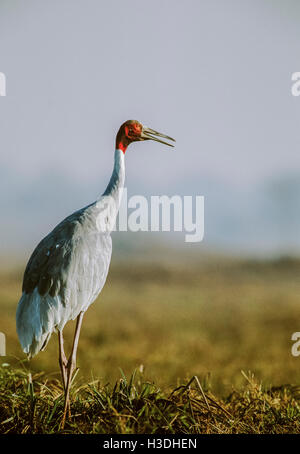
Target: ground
[{"x": 216, "y": 319}]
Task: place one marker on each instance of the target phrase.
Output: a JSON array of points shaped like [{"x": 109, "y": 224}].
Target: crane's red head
[{"x": 133, "y": 131}]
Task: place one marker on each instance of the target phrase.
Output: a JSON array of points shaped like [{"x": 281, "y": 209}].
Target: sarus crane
[{"x": 68, "y": 268}]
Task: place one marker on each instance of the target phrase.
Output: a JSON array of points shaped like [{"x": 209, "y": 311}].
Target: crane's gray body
[{"x": 68, "y": 269}]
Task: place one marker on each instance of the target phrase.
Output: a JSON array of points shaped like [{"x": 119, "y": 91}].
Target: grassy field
[
  {"x": 170, "y": 322},
  {"x": 34, "y": 404}
]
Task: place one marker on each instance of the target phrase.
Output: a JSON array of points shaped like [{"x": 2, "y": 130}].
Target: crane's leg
[
  {"x": 63, "y": 362},
  {"x": 71, "y": 366}
]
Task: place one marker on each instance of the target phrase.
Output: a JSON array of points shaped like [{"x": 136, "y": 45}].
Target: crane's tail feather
[{"x": 37, "y": 317}]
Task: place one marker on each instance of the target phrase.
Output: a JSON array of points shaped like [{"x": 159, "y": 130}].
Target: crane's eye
[{"x": 132, "y": 131}]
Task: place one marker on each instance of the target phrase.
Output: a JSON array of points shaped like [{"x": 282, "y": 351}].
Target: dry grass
[
  {"x": 210, "y": 320},
  {"x": 35, "y": 405}
]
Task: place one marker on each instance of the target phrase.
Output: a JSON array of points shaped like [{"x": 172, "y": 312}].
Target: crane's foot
[
  {"x": 66, "y": 413},
  {"x": 67, "y": 406}
]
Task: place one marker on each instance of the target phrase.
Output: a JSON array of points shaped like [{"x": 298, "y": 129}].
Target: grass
[
  {"x": 174, "y": 321},
  {"x": 34, "y": 404}
]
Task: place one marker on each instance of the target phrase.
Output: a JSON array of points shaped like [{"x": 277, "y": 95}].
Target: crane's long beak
[{"x": 150, "y": 134}]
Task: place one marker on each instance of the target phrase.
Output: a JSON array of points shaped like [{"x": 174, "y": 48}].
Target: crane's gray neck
[{"x": 116, "y": 183}]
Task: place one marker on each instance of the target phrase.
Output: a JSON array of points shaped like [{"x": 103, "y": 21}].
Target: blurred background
[{"x": 216, "y": 75}]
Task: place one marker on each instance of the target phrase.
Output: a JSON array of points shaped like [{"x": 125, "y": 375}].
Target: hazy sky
[{"x": 216, "y": 75}]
